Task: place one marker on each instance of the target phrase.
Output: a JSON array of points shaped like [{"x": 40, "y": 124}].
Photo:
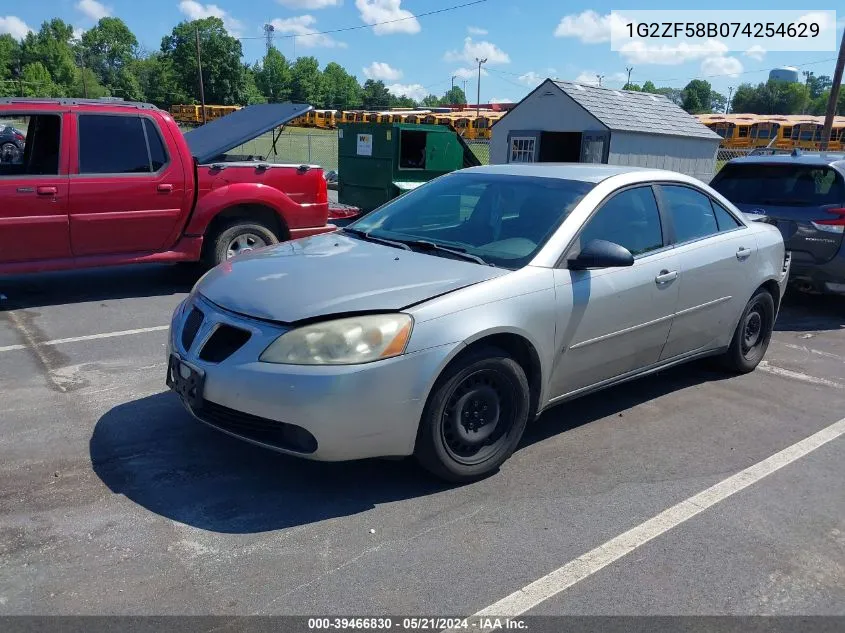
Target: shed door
[
  {"x": 442, "y": 153},
  {"x": 594, "y": 147}
]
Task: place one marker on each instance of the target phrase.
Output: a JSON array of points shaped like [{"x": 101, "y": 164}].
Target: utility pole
[
  {"x": 728, "y": 102},
  {"x": 628, "y": 83},
  {"x": 807, "y": 74},
  {"x": 834, "y": 95},
  {"x": 600, "y": 77},
  {"x": 478, "y": 96},
  {"x": 453, "y": 81},
  {"x": 199, "y": 72},
  {"x": 465, "y": 86},
  {"x": 82, "y": 63}
]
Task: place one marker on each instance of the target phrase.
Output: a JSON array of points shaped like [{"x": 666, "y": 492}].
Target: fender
[{"x": 213, "y": 202}]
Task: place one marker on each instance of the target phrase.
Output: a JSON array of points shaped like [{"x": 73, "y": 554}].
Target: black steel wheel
[
  {"x": 752, "y": 335},
  {"x": 475, "y": 416}
]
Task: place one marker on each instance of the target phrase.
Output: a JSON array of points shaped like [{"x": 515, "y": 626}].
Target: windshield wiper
[
  {"x": 425, "y": 245},
  {"x": 381, "y": 240}
]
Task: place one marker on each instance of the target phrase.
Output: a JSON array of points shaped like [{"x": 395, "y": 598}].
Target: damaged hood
[{"x": 334, "y": 273}]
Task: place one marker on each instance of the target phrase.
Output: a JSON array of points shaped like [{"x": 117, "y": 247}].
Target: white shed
[{"x": 562, "y": 121}]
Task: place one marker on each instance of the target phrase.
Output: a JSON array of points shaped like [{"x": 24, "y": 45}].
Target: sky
[{"x": 524, "y": 41}]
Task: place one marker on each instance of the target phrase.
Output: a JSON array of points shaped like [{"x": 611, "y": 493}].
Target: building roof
[{"x": 629, "y": 111}]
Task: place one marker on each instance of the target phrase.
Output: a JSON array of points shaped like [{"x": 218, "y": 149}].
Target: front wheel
[
  {"x": 752, "y": 335},
  {"x": 475, "y": 416},
  {"x": 238, "y": 238}
]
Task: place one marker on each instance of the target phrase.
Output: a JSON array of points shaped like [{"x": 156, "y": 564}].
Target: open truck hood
[{"x": 217, "y": 137}]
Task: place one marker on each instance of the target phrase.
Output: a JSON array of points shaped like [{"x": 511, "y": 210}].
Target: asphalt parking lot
[{"x": 114, "y": 501}]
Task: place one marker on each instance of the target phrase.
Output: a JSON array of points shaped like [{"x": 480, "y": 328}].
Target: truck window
[
  {"x": 112, "y": 144},
  {"x": 158, "y": 154},
  {"x": 29, "y": 144}
]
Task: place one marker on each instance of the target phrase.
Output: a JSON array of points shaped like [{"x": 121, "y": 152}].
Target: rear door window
[
  {"x": 780, "y": 185},
  {"x": 111, "y": 144},
  {"x": 691, "y": 211}
]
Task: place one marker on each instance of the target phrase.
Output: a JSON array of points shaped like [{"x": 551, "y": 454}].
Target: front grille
[
  {"x": 192, "y": 326},
  {"x": 287, "y": 436},
  {"x": 225, "y": 341}
]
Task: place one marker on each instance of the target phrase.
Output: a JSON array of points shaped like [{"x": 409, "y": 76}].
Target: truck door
[
  {"x": 34, "y": 190},
  {"x": 127, "y": 193}
]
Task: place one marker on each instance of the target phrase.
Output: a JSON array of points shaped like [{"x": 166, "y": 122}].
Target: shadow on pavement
[
  {"x": 802, "y": 312},
  {"x": 96, "y": 284},
  {"x": 154, "y": 453}
]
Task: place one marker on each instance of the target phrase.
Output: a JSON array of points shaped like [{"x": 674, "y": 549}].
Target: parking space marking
[
  {"x": 809, "y": 350},
  {"x": 797, "y": 375},
  {"x": 600, "y": 557},
  {"x": 89, "y": 337}
]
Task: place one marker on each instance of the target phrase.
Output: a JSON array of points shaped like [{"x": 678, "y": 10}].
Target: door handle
[
  {"x": 47, "y": 191},
  {"x": 165, "y": 188},
  {"x": 743, "y": 253},
  {"x": 665, "y": 277}
]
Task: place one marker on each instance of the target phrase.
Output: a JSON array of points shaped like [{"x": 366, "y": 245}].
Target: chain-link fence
[
  {"x": 317, "y": 148},
  {"x": 725, "y": 154}
]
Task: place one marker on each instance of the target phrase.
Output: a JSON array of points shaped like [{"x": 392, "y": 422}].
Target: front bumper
[{"x": 351, "y": 411}]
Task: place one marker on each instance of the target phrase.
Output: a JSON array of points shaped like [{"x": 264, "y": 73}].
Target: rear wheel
[
  {"x": 237, "y": 238},
  {"x": 752, "y": 335},
  {"x": 474, "y": 417}
]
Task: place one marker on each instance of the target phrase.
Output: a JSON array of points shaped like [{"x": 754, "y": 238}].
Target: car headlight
[{"x": 347, "y": 341}]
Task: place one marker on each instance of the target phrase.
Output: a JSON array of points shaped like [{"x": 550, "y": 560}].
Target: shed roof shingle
[{"x": 630, "y": 111}]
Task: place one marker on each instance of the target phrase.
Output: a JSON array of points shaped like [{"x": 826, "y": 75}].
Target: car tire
[
  {"x": 752, "y": 335},
  {"x": 238, "y": 237},
  {"x": 9, "y": 149},
  {"x": 489, "y": 391}
]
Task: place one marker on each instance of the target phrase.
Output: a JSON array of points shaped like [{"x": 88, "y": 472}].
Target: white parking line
[
  {"x": 89, "y": 337},
  {"x": 817, "y": 352},
  {"x": 596, "y": 559},
  {"x": 799, "y": 376}
]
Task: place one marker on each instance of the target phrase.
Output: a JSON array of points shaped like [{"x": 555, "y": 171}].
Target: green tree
[
  {"x": 87, "y": 85},
  {"x": 674, "y": 95},
  {"x": 10, "y": 55},
  {"x": 649, "y": 87},
  {"x": 109, "y": 49},
  {"x": 340, "y": 89},
  {"x": 52, "y": 47},
  {"x": 746, "y": 99},
  {"x": 158, "y": 81},
  {"x": 403, "y": 101},
  {"x": 431, "y": 101},
  {"x": 306, "y": 82},
  {"x": 273, "y": 76},
  {"x": 223, "y": 74},
  {"x": 251, "y": 92},
  {"x": 375, "y": 95},
  {"x": 454, "y": 96},
  {"x": 127, "y": 85},
  {"x": 697, "y": 96},
  {"x": 632, "y": 87},
  {"x": 37, "y": 81},
  {"x": 718, "y": 101}
]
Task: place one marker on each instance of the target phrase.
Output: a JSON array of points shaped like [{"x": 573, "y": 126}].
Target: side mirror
[{"x": 601, "y": 254}]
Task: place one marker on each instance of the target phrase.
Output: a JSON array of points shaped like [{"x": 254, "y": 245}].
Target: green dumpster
[{"x": 380, "y": 161}]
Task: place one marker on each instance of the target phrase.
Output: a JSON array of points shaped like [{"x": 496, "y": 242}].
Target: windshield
[
  {"x": 501, "y": 219},
  {"x": 780, "y": 185}
]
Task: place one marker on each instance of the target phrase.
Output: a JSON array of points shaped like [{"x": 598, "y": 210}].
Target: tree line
[{"x": 108, "y": 61}]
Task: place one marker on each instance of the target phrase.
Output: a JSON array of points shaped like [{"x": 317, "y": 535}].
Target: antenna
[{"x": 269, "y": 33}]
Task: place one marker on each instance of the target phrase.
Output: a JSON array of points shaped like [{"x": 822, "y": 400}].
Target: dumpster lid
[
  {"x": 219, "y": 136},
  {"x": 408, "y": 185}
]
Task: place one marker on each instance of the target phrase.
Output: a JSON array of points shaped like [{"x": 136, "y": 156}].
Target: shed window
[{"x": 522, "y": 149}]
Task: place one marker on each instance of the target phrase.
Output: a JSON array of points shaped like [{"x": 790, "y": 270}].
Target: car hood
[{"x": 334, "y": 273}]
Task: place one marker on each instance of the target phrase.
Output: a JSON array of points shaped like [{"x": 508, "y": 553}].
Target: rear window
[{"x": 780, "y": 185}]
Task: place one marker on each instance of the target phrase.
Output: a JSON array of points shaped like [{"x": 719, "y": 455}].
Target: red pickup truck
[{"x": 102, "y": 183}]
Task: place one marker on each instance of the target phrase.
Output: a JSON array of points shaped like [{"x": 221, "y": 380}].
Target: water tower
[{"x": 787, "y": 73}]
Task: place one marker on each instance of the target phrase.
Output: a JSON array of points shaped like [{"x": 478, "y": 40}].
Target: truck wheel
[
  {"x": 475, "y": 416},
  {"x": 237, "y": 238}
]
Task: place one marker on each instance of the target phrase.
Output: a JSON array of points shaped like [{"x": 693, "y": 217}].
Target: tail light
[
  {"x": 322, "y": 190},
  {"x": 20, "y": 137},
  {"x": 835, "y": 225}
]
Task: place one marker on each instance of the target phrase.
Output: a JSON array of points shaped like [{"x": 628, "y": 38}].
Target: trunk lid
[
  {"x": 208, "y": 142},
  {"x": 807, "y": 201}
]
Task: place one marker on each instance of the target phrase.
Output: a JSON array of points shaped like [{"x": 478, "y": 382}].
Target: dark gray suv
[{"x": 804, "y": 193}]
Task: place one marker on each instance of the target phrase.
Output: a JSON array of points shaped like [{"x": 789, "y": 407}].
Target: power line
[{"x": 368, "y": 26}]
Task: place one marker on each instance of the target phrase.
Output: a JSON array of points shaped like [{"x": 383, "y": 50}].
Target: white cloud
[
  {"x": 721, "y": 65},
  {"x": 194, "y": 10},
  {"x": 637, "y": 52},
  {"x": 478, "y": 50},
  {"x": 14, "y": 26},
  {"x": 469, "y": 73},
  {"x": 93, "y": 9},
  {"x": 590, "y": 78},
  {"x": 476, "y": 30},
  {"x": 530, "y": 78},
  {"x": 78, "y": 32},
  {"x": 756, "y": 52},
  {"x": 305, "y": 35},
  {"x": 590, "y": 27},
  {"x": 501, "y": 100},
  {"x": 417, "y": 92},
  {"x": 309, "y": 4},
  {"x": 398, "y": 20},
  {"x": 383, "y": 71}
]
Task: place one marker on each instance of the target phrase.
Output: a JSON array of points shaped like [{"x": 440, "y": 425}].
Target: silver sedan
[{"x": 441, "y": 323}]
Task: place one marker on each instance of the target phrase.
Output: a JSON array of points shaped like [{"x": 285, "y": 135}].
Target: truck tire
[{"x": 238, "y": 237}]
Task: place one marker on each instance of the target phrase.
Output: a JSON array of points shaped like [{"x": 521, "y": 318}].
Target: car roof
[
  {"x": 585, "y": 172},
  {"x": 813, "y": 158}
]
